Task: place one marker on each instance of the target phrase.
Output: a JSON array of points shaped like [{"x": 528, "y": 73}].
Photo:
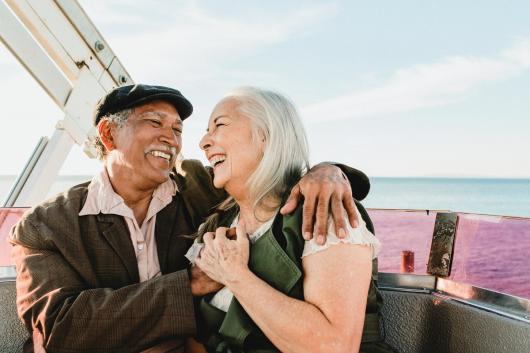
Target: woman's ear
[{"x": 105, "y": 134}]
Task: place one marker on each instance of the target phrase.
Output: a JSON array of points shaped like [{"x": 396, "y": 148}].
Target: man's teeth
[
  {"x": 216, "y": 160},
  {"x": 166, "y": 156}
]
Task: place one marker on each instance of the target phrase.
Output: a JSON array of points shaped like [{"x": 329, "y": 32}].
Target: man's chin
[{"x": 161, "y": 177}]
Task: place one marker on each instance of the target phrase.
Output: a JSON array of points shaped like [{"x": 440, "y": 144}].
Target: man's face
[{"x": 148, "y": 144}]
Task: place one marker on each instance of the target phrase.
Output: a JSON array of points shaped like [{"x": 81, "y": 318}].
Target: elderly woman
[{"x": 281, "y": 292}]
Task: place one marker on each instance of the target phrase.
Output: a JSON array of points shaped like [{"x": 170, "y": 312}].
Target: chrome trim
[
  {"x": 406, "y": 290},
  {"x": 499, "y": 303},
  {"x": 428, "y": 211},
  {"x": 7, "y": 273},
  {"x": 507, "y": 305},
  {"x": 406, "y": 282}
]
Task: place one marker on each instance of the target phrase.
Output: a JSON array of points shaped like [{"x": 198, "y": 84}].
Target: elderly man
[{"x": 101, "y": 267}]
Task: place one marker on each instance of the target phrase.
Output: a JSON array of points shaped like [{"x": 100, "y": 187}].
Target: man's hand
[
  {"x": 201, "y": 284},
  {"x": 322, "y": 186}
]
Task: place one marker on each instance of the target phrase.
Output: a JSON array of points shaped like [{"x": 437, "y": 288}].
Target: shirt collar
[{"x": 102, "y": 198}]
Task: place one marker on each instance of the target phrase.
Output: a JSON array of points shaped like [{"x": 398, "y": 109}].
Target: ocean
[{"x": 510, "y": 197}]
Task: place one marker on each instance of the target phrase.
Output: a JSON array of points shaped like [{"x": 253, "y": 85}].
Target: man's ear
[{"x": 105, "y": 134}]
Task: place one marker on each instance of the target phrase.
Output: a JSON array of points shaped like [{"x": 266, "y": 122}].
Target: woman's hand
[{"x": 223, "y": 259}]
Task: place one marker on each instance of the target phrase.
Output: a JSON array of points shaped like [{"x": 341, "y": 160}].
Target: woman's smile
[
  {"x": 216, "y": 160},
  {"x": 230, "y": 147}
]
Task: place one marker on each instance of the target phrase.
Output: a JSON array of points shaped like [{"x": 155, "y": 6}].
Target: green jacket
[{"x": 276, "y": 258}]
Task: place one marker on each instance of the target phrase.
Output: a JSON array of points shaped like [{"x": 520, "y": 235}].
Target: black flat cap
[{"x": 130, "y": 96}]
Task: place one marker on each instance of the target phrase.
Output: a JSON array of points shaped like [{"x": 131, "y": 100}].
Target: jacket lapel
[
  {"x": 117, "y": 234},
  {"x": 165, "y": 221}
]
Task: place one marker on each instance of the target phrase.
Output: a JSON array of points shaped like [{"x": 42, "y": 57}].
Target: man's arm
[
  {"x": 53, "y": 297},
  {"x": 325, "y": 188},
  {"x": 359, "y": 182}
]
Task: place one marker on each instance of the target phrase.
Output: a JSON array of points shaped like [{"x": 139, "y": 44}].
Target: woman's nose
[{"x": 205, "y": 142}]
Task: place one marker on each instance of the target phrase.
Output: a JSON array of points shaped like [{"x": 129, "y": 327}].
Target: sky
[{"x": 395, "y": 88}]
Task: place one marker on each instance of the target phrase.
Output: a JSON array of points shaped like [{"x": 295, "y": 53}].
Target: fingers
[
  {"x": 208, "y": 261},
  {"x": 241, "y": 232},
  {"x": 202, "y": 263},
  {"x": 207, "y": 238},
  {"x": 220, "y": 234},
  {"x": 292, "y": 201},
  {"x": 338, "y": 216},
  {"x": 219, "y": 241},
  {"x": 208, "y": 249},
  {"x": 321, "y": 225},
  {"x": 308, "y": 214},
  {"x": 351, "y": 210},
  {"x": 212, "y": 246}
]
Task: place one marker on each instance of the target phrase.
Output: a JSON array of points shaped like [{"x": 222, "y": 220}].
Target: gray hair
[
  {"x": 119, "y": 119},
  {"x": 285, "y": 157}
]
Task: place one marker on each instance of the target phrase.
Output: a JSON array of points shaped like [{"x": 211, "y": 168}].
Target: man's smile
[{"x": 166, "y": 153}]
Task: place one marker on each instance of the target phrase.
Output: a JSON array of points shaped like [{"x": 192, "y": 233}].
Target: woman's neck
[{"x": 254, "y": 217}]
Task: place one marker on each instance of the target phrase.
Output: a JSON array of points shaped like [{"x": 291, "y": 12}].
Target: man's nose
[{"x": 169, "y": 136}]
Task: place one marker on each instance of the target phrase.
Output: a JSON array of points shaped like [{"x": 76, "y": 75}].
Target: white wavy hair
[{"x": 275, "y": 120}]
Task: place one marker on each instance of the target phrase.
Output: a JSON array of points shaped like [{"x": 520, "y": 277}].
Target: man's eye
[
  {"x": 154, "y": 122},
  {"x": 177, "y": 131}
]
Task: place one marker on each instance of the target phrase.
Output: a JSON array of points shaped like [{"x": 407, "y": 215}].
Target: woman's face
[{"x": 230, "y": 147}]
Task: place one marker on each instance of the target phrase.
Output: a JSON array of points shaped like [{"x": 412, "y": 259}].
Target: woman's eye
[{"x": 219, "y": 124}]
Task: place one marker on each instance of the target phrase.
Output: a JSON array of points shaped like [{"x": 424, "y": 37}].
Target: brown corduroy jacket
[{"x": 77, "y": 277}]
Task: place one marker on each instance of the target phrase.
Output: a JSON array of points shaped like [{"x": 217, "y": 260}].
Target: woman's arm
[{"x": 336, "y": 283}]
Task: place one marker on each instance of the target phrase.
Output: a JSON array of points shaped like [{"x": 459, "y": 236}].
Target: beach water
[{"x": 509, "y": 197}]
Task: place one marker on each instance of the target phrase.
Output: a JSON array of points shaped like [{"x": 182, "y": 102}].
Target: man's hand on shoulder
[{"x": 324, "y": 186}]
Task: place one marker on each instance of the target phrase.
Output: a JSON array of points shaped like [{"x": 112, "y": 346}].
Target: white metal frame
[{"x": 62, "y": 49}]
